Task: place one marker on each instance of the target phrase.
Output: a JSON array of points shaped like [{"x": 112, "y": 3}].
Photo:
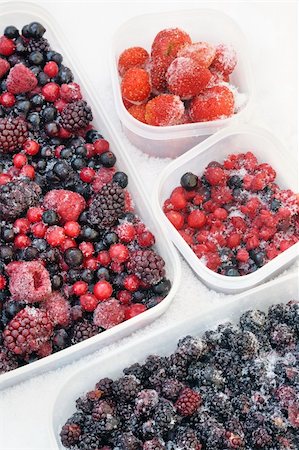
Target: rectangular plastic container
[
  {"x": 162, "y": 343},
  {"x": 216, "y": 148},
  {"x": 202, "y": 25},
  {"x": 18, "y": 14}
]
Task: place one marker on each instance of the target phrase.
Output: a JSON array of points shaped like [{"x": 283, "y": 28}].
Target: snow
[{"x": 25, "y": 408}]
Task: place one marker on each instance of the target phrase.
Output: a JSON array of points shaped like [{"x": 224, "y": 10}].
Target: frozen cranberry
[
  {"x": 176, "y": 218},
  {"x": 28, "y": 171},
  {"x": 22, "y": 225},
  {"x": 87, "y": 249},
  {"x": 4, "y": 178},
  {"x": 2, "y": 282},
  {"x": 126, "y": 232},
  {"x": 220, "y": 213},
  {"x": 134, "y": 310},
  {"x": 178, "y": 199},
  {"x": 102, "y": 290},
  {"x": 196, "y": 219},
  {"x": 215, "y": 175},
  {"x": 87, "y": 174},
  {"x": 233, "y": 240},
  {"x": 31, "y": 147},
  {"x": 51, "y": 92},
  {"x": 119, "y": 253},
  {"x": 124, "y": 297},
  {"x": 39, "y": 229},
  {"x": 7, "y": 100},
  {"x": 51, "y": 69},
  {"x": 19, "y": 160},
  {"x": 104, "y": 258},
  {"x": 242, "y": 255},
  {"x": 88, "y": 302},
  {"x": 80, "y": 288},
  {"x": 131, "y": 283},
  {"x": 146, "y": 239},
  {"x": 101, "y": 146},
  {"x": 72, "y": 229},
  {"x": 22, "y": 241},
  {"x": 55, "y": 236}
]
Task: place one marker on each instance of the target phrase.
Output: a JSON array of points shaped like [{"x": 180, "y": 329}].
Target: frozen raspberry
[
  {"x": 164, "y": 110},
  {"x": 138, "y": 111},
  {"x": 70, "y": 92},
  {"x": 4, "y": 67},
  {"x": 168, "y": 42},
  {"x": 225, "y": 59},
  {"x": 186, "y": 78},
  {"x": 202, "y": 52},
  {"x": 135, "y": 86},
  {"x": 136, "y": 57},
  {"x": 67, "y": 204},
  {"x": 212, "y": 104},
  {"x": 188, "y": 402},
  {"x": 196, "y": 219},
  {"x": 176, "y": 218},
  {"x": 28, "y": 281},
  {"x": 20, "y": 79},
  {"x": 215, "y": 175},
  {"x": 103, "y": 176},
  {"x": 108, "y": 314},
  {"x": 27, "y": 331},
  {"x": 58, "y": 309}
]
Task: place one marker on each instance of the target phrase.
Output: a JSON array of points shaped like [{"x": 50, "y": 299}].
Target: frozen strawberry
[
  {"x": 213, "y": 103},
  {"x": 186, "y": 78},
  {"x": 126, "y": 103},
  {"x": 225, "y": 59},
  {"x": 4, "y": 67},
  {"x": 132, "y": 57},
  {"x": 108, "y": 314},
  {"x": 67, "y": 204},
  {"x": 202, "y": 52},
  {"x": 58, "y": 309},
  {"x": 29, "y": 281},
  {"x": 103, "y": 176},
  {"x": 20, "y": 79},
  {"x": 138, "y": 111},
  {"x": 163, "y": 110},
  {"x": 135, "y": 85},
  {"x": 217, "y": 78},
  {"x": 169, "y": 41},
  {"x": 70, "y": 92}
]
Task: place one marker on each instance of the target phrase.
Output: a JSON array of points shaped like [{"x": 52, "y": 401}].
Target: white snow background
[{"x": 270, "y": 28}]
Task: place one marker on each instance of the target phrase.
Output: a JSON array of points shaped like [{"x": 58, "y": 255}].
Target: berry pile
[
  {"x": 237, "y": 387},
  {"x": 234, "y": 217},
  {"x": 75, "y": 259},
  {"x": 180, "y": 82}
]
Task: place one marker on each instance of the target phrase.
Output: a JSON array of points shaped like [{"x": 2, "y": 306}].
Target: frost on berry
[
  {"x": 29, "y": 281},
  {"x": 108, "y": 314},
  {"x": 58, "y": 309}
]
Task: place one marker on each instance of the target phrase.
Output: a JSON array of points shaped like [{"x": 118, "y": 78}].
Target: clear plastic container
[
  {"x": 163, "y": 342},
  {"x": 216, "y": 148},
  {"x": 202, "y": 25},
  {"x": 18, "y": 14}
]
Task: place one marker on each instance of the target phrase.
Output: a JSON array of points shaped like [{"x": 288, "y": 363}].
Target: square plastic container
[
  {"x": 18, "y": 14},
  {"x": 202, "y": 25},
  {"x": 236, "y": 139},
  {"x": 162, "y": 343}
]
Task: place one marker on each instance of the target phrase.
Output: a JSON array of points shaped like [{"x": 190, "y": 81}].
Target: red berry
[
  {"x": 109, "y": 313},
  {"x": 132, "y": 57},
  {"x": 196, "y": 219},
  {"x": 19, "y": 160},
  {"x": 7, "y": 46},
  {"x": 91, "y": 263},
  {"x": 22, "y": 225},
  {"x": 233, "y": 240},
  {"x": 51, "y": 69},
  {"x": 213, "y": 103},
  {"x": 87, "y": 174},
  {"x": 72, "y": 229},
  {"x": 67, "y": 204},
  {"x": 31, "y": 147},
  {"x": 134, "y": 310},
  {"x": 68, "y": 243},
  {"x": 188, "y": 402},
  {"x": 220, "y": 213},
  {"x": 102, "y": 290},
  {"x": 176, "y": 218},
  {"x": 55, "y": 236},
  {"x": 131, "y": 283},
  {"x": 126, "y": 232},
  {"x": 80, "y": 288},
  {"x": 101, "y": 146},
  {"x": 178, "y": 199},
  {"x": 28, "y": 171},
  {"x": 51, "y": 92},
  {"x": 7, "y": 100},
  {"x": 164, "y": 110},
  {"x": 4, "y": 67},
  {"x": 104, "y": 258},
  {"x": 215, "y": 175},
  {"x": 60, "y": 104},
  {"x": 2, "y": 282},
  {"x": 124, "y": 297},
  {"x": 242, "y": 255},
  {"x": 70, "y": 92},
  {"x": 39, "y": 229},
  {"x": 146, "y": 239},
  {"x": 87, "y": 249},
  {"x": 4, "y": 178},
  {"x": 252, "y": 243},
  {"x": 119, "y": 253},
  {"x": 88, "y": 302},
  {"x": 135, "y": 85}
]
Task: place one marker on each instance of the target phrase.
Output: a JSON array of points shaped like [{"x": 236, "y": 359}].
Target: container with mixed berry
[
  {"x": 235, "y": 387},
  {"x": 75, "y": 259},
  {"x": 180, "y": 81},
  {"x": 233, "y": 215}
]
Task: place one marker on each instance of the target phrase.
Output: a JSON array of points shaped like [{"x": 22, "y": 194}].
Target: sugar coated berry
[
  {"x": 134, "y": 310},
  {"x": 101, "y": 146},
  {"x": 168, "y": 42},
  {"x": 163, "y": 110},
  {"x": 22, "y": 225},
  {"x": 119, "y": 253},
  {"x": 202, "y": 52},
  {"x": 176, "y": 218},
  {"x": 196, "y": 219},
  {"x": 188, "y": 402},
  {"x": 28, "y": 171},
  {"x": 126, "y": 232},
  {"x": 102, "y": 290},
  {"x": 88, "y": 302},
  {"x": 213, "y": 103},
  {"x": 135, "y": 85},
  {"x": 186, "y": 78},
  {"x": 80, "y": 288},
  {"x": 136, "y": 57},
  {"x": 225, "y": 59},
  {"x": 51, "y": 91},
  {"x": 146, "y": 239}
]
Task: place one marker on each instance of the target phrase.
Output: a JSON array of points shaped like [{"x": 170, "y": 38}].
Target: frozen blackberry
[
  {"x": 165, "y": 417},
  {"x": 192, "y": 347},
  {"x": 145, "y": 402},
  {"x": 13, "y": 133},
  {"x": 70, "y": 434},
  {"x": 137, "y": 370},
  {"x": 171, "y": 388},
  {"x": 186, "y": 439},
  {"x": 89, "y": 441},
  {"x": 124, "y": 411},
  {"x": 126, "y": 387},
  {"x": 102, "y": 410},
  {"x": 177, "y": 366},
  {"x": 147, "y": 265},
  {"x": 16, "y": 197},
  {"x": 107, "y": 206},
  {"x": 261, "y": 438},
  {"x": 154, "y": 444},
  {"x": 106, "y": 426},
  {"x": 126, "y": 441},
  {"x": 7, "y": 361},
  {"x": 281, "y": 336},
  {"x": 105, "y": 386},
  {"x": 246, "y": 344},
  {"x": 76, "y": 116},
  {"x": 38, "y": 45},
  {"x": 83, "y": 330}
]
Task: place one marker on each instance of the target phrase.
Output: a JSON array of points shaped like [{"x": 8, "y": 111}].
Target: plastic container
[
  {"x": 202, "y": 25},
  {"x": 216, "y": 148},
  {"x": 161, "y": 343},
  {"x": 18, "y": 14}
]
